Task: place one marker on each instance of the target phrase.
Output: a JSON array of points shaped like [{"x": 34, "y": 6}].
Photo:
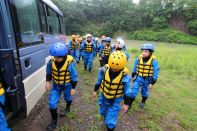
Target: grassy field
[
  {"x": 172, "y": 104},
  {"x": 173, "y": 101}
]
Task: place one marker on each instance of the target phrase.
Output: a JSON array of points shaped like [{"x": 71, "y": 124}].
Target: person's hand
[
  {"x": 48, "y": 86},
  {"x": 94, "y": 94},
  {"x": 125, "y": 108},
  {"x": 150, "y": 86},
  {"x": 72, "y": 92}
]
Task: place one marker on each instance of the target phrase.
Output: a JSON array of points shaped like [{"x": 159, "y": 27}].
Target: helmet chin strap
[
  {"x": 120, "y": 49},
  {"x": 113, "y": 70},
  {"x": 65, "y": 57},
  {"x": 147, "y": 58}
]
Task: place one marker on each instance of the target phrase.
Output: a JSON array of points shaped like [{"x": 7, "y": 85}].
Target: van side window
[
  {"x": 28, "y": 18},
  {"x": 42, "y": 17},
  {"x": 53, "y": 22},
  {"x": 63, "y": 31}
]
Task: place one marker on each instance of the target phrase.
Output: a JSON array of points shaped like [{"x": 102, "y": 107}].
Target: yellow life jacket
[
  {"x": 113, "y": 88},
  {"x": 61, "y": 76},
  {"x": 145, "y": 69},
  {"x": 2, "y": 91},
  {"x": 74, "y": 45},
  {"x": 89, "y": 47},
  {"x": 106, "y": 51}
]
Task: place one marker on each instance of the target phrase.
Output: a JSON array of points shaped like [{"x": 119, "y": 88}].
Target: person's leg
[
  {"x": 90, "y": 61},
  {"x": 111, "y": 118},
  {"x": 103, "y": 107},
  {"x": 135, "y": 89},
  {"x": 3, "y": 123},
  {"x": 77, "y": 55},
  {"x": 68, "y": 98},
  {"x": 144, "y": 93},
  {"x": 53, "y": 101},
  {"x": 82, "y": 55},
  {"x": 85, "y": 62},
  {"x": 106, "y": 59},
  {"x": 103, "y": 61}
]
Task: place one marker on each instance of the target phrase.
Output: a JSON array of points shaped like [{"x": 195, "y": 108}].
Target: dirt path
[{"x": 84, "y": 115}]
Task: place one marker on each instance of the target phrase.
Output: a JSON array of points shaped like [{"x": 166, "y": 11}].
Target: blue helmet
[
  {"x": 107, "y": 39},
  {"x": 58, "y": 50},
  {"x": 147, "y": 46}
]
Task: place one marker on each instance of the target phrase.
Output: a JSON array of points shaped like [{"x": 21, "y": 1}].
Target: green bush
[
  {"x": 165, "y": 35},
  {"x": 91, "y": 28},
  {"x": 192, "y": 26},
  {"x": 159, "y": 23},
  {"x": 107, "y": 29}
]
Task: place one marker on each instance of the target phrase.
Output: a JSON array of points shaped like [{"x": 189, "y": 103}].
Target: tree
[{"x": 110, "y": 16}]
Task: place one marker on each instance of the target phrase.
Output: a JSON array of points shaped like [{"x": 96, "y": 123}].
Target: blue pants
[
  {"x": 55, "y": 93},
  {"x": 3, "y": 123},
  {"x": 109, "y": 110},
  {"x": 88, "y": 59},
  {"x": 78, "y": 55},
  {"x": 143, "y": 83},
  {"x": 82, "y": 53},
  {"x": 73, "y": 53}
]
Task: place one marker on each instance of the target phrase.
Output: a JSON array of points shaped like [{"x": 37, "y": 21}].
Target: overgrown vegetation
[
  {"x": 165, "y": 35},
  {"x": 108, "y": 17}
]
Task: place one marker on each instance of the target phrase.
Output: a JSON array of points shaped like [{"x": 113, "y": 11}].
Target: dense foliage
[{"x": 110, "y": 16}]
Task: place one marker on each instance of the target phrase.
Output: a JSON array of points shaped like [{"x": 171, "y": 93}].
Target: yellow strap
[
  {"x": 73, "y": 43},
  {"x": 69, "y": 58},
  {"x": 149, "y": 61},
  {"x": 107, "y": 65},
  {"x": 125, "y": 70},
  {"x": 1, "y": 91}
]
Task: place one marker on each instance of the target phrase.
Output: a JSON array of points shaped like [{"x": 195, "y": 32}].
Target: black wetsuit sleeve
[
  {"x": 127, "y": 100},
  {"x": 153, "y": 81},
  {"x": 133, "y": 74},
  {"x": 96, "y": 87},
  {"x": 73, "y": 84},
  {"x": 48, "y": 77}
]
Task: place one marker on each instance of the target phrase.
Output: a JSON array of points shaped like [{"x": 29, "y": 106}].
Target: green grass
[
  {"x": 172, "y": 104},
  {"x": 174, "y": 97}
]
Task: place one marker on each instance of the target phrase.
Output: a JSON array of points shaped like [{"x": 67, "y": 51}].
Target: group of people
[
  {"x": 113, "y": 83},
  {"x": 87, "y": 47}
]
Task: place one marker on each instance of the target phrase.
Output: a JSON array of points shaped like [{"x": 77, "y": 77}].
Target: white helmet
[
  {"x": 88, "y": 35},
  {"x": 121, "y": 41}
]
